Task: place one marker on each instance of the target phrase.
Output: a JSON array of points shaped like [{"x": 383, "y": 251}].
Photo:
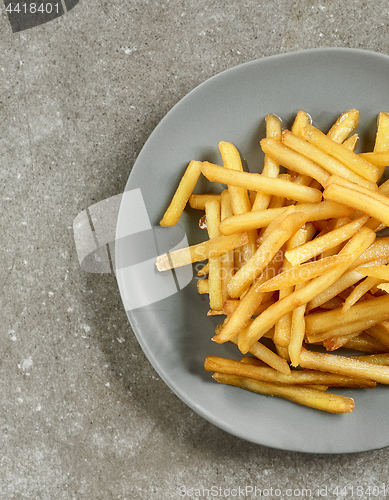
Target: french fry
[
  {"x": 322, "y": 243},
  {"x": 378, "y": 251},
  {"x": 351, "y": 142},
  {"x": 201, "y": 251},
  {"x": 379, "y": 272},
  {"x": 334, "y": 343},
  {"x": 357, "y": 341},
  {"x": 353, "y": 161},
  {"x": 182, "y": 194},
  {"x": 344, "y": 365},
  {"x": 382, "y": 135},
  {"x": 258, "y": 182},
  {"x": 367, "y": 204},
  {"x": 366, "y": 343},
  {"x": 373, "y": 191},
  {"x": 384, "y": 287},
  {"x": 313, "y": 398},
  {"x": 204, "y": 270},
  {"x": 380, "y": 333},
  {"x": 239, "y": 198},
  {"x": 313, "y": 336},
  {"x": 359, "y": 291},
  {"x": 213, "y": 215},
  {"x": 227, "y": 259},
  {"x": 380, "y": 159},
  {"x": 375, "y": 359},
  {"x": 203, "y": 286},
  {"x": 296, "y": 377},
  {"x": 297, "y": 332},
  {"x": 302, "y": 120},
  {"x": 303, "y": 272},
  {"x": 198, "y": 201},
  {"x": 270, "y": 167},
  {"x": 293, "y": 160},
  {"x": 329, "y": 164},
  {"x": 344, "y": 125},
  {"x": 262, "y": 218},
  {"x": 377, "y": 308}
]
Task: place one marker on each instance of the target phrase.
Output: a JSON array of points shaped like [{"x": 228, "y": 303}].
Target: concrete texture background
[{"x": 83, "y": 414}]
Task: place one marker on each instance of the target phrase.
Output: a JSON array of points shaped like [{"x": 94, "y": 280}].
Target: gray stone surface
[{"x": 83, "y": 414}]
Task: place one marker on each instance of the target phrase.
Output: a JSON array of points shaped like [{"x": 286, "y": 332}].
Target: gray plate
[{"x": 166, "y": 313}]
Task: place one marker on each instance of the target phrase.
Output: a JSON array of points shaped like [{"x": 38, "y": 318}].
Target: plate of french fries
[{"x": 268, "y": 185}]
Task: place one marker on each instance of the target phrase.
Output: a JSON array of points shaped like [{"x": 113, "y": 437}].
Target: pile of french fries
[{"x": 295, "y": 261}]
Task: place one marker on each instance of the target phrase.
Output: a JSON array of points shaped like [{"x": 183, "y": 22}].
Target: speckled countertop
[{"x": 83, "y": 413}]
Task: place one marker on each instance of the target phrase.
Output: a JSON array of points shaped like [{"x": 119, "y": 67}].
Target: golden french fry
[
  {"x": 213, "y": 215},
  {"x": 297, "y": 334},
  {"x": 379, "y": 272},
  {"x": 376, "y": 359},
  {"x": 359, "y": 242},
  {"x": 313, "y": 398},
  {"x": 204, "y": 270},
  {"x": 366, "y": 343},
  {"x": 380, "y": 333},
  {"x": 344, "y": 365},
  {"x": 359, "y": 291},
  {"x": 351, "y": 142},
  {"x": 375, "y": 309},
  {"x": 203, "y": 286},
  {"x": 231, "y": 160},
  {"x": 303, "y": 272},
  {"x": 198, "y": 201},
  {"x": 353, "y": 161},
  {"x": 313, "y": 336},
  {"x": 259, "y": 182},
  {"x": 334, "y": 343},
  {"x": 378, "y": 251},
  {"x": 302, "y": 119},
  {"x": 215, "y": 312},
  {"x": 380, "y": 159},
  {"x": 329, "y": 164},
  {"x": 201, "y": 251},
  {"x": 239, "y": 197},
  {"x": 182, "y": 194},
  {"x": 365, "y": 203},
  {"x": 373, "y": 191},
  {"x": 343, "y": 126},
  {"x": 322, "y": 243},
  {"x": 262, "y": 218},
  {"x": 227, "y": 259},
  {"x": 384, "y": 287},
  {"x": 291, "y": 159},
  {"x": 382, "y": 135},
  {"x": 296, "y": 377},
  {"x": 270, "y": 167}
]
